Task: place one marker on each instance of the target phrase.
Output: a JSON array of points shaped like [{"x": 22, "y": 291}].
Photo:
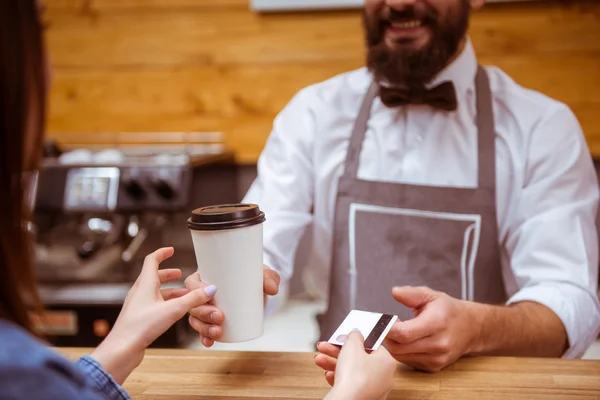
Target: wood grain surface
[
  {"x": 167, "y": 374},
  {"x": 206, "y": 65}
]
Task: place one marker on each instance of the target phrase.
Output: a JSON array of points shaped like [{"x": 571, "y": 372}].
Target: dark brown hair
[{"x": 22, "y": 115}]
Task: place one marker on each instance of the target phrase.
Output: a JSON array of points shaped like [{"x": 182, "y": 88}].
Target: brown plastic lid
[{"x": 225, "y": 216}]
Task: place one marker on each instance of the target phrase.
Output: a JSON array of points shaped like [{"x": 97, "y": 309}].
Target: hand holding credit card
[{"x": 373, "y": 326}]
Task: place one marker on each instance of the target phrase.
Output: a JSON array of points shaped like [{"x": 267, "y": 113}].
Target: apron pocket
[{"x": 405, "y": 247}]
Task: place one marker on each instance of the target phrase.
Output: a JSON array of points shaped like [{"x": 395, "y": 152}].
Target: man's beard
[{"x": 408, "y": 67}]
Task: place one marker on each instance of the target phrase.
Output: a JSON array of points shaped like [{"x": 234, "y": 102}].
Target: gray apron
[{"x": 390, "y": 234}]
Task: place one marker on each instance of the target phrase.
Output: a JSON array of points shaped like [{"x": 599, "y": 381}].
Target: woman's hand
[
  {"x": 357, "y": 375},
  {"x": 147, "y": 313},
  {"x": 208, "y": 319}
]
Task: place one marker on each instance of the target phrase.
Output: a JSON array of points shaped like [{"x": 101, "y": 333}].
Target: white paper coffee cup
[{"x": 228, "y": 242}]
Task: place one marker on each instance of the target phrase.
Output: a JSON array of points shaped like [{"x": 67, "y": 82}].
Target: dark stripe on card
[{"x": 377, "y": 330}]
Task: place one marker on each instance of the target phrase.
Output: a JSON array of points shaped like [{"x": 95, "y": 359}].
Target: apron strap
[
  {"x": 359, "y": 131},
  {"x": 486, "y": 137},
  {"x": 486, "y": 143}
]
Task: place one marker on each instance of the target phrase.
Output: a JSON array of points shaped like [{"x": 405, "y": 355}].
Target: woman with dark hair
[{"x": 30, "y": 370}]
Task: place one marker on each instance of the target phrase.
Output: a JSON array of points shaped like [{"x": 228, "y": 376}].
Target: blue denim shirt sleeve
[
  {"x": 97, "y": 377},
  {"x": 30, "y": 370}
]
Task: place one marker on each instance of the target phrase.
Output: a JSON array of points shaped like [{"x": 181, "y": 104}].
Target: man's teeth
[{"x": 406, "y": 24}]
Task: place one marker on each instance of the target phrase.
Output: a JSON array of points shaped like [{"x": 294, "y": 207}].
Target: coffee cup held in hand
[{"x": 228, "y": 242}]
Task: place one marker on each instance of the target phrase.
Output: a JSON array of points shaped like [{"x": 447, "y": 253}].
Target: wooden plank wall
[{"x": 213, "y": 65}]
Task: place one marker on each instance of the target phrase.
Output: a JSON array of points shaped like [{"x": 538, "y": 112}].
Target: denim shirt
[{"x": 30, "y": 370}]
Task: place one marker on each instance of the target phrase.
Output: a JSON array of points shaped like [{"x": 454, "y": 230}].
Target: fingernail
[
  {"x": 355, "y": 330},
  {"x": 273, "y": 282},
  {"x": 342, "y": 338},
  {"x": 213, "y": 331},
  {"x": 213, "y": 317},
  {"x": 210, "y": 290}
]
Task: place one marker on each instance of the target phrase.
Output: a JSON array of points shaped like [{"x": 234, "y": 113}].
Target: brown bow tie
[{"x": 442, "y": 96}]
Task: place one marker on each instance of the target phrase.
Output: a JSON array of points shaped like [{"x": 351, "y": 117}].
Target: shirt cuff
[
  {"x": 577, "y": 309},
  {"x": 101, "y": 379}
]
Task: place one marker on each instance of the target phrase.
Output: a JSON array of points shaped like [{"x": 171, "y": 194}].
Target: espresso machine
[{"x": 96, "y": 218}]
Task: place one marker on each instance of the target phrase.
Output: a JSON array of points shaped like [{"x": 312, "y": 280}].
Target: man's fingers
[
  {"x": 413, "y": 297},
  {"x": 409, "y": 331},
  {"x": 153, "y": 260},
  {"x": 208, "y": 314},
  {"x": 330, "y": 377},
  {"x": 436, "y": 344},
  {"x": 194, "y": 282},
  {"x": 424, "y": 362},
  {"x": 271, "y": 281},
  {"x": 207, "y": 342},
  {"x": 169, "y": 294},
  {"x": 325, "y": 362},
  {"x": 271, "y": 273},
  {"x": 428, "y": 362},
  {"x": 329, "y": 349},
  {"x": 206, "y": 330},
  {"x": 168, "y": 275},
  {"x": 193, "y": 299}
]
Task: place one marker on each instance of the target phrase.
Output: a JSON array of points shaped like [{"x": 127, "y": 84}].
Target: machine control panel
[
  {"x": 127, "y": 188},
  {"x": 157, "y": 187},
  {"x": 91, "y": 189},
  {"x": 167, "y": 182}
]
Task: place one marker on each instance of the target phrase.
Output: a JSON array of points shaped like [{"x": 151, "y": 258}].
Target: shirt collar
[{"x": 461, "y": 71}]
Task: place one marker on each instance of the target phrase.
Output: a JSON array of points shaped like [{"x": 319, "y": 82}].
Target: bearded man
[{"x": 437, "y": 190}]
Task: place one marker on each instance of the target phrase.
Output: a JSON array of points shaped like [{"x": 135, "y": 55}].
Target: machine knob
[
  {"x": 134, "y": 188},
  {"x": 88, "y": 249},
  {"x": 165, "y": 188}
]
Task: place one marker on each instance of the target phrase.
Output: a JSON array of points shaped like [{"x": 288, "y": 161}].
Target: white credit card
[{"x": 373, "y": 326}]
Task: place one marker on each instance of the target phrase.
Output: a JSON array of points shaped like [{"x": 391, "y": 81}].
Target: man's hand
[
  {"x": 443, "y": 330},
  {"x": 207, "y": 319}
]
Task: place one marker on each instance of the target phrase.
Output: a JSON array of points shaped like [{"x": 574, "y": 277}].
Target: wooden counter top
[
  {"x": 217, "y": 66},
  {"x": 187, "y": 374}
]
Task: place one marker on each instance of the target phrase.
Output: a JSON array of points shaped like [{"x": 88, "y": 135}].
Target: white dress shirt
[{"x": 547, "y": 189}]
